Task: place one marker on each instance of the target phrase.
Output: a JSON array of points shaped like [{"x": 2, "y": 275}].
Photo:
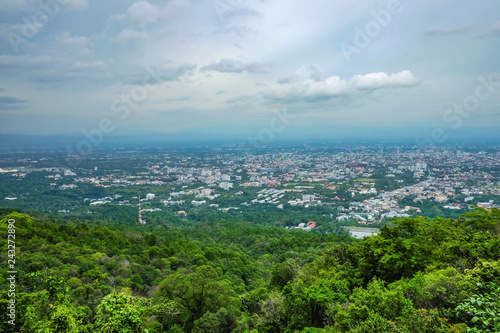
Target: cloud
[
  {"x": 449, "y": 31},
  {"x": 97, "y": 65},
  {"x": 74, "y": 41},
  {"x": 245, "y": 101},
  {"x": 310, "y": 84},
  {"x": 228, "y": 65},
  {"x": 239, "y": 12},
  {"x": 307, "y": 72},
  {"x": 14, "y": 7},
  {"x": 240, "y": 99},
  {"x": 47, "y": 68},
  {"x": 143, "y": 12},
  {"x": 129, "y": 35},
  {"x": 178, "y": 99},
  {"x": 383, "y": 80},
  {"x": 173, "y": 73},
  {"x": 161, "y": 73},
  {"x": 11, "y": 100},
  {"x": 25, "y": 61},
  {"x": 10, "y": 103},
  {"x": 73, "y": 46},
  {"x": 77, "y": 69}
]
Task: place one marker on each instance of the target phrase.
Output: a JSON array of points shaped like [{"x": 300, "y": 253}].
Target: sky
[{"x": 248, "y": 67}]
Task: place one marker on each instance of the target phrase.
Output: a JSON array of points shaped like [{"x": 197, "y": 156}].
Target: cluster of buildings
[{"x": 348, "y": 179}]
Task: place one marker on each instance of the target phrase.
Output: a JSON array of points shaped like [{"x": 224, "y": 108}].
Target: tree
[
  {"x": 50, "y": 309},
  {"x": 199, "y": 292},
  {"x": 283, "y": 273},
  {"x": 119, "y": 313},
  {"x": 482, "y": 310},
  {"x": 220, "y": 322},
  {"x": 308, "y": 306},
  {"x": 44, "y": 316}
]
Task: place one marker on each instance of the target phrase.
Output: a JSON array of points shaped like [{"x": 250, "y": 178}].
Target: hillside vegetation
[{"x": 421, "y": 275}]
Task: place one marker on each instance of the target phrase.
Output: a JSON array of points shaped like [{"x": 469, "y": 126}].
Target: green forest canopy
[{"x": 421, "y": 275}]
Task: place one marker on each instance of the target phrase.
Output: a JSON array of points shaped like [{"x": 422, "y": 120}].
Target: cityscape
[{"x": 367, "y": 184}]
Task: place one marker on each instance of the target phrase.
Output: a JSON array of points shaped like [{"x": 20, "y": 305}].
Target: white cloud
[
  {"x": 143, "y": 12},
  {"x": 228, "y": 65},
  {"x": 308, "y": 84},
  {"x": 74, "y": 46},
  {"x": 384, "y": 80},
  {"x": 307, "y": 72},
  {"x": 74, "y": 41},
  {"x": 128, "y": 35}
]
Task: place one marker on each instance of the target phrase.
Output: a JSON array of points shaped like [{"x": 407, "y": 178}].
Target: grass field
[{"x": 367, "y": 180}]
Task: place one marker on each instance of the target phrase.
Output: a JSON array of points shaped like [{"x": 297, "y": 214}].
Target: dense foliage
[{"x": 420, "y": 275}]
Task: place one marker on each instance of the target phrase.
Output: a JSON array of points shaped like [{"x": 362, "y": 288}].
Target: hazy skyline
[{"x": 232, "y": 67}]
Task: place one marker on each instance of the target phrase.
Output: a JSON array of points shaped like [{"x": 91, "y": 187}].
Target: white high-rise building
[
  {"x": 308, "y": 197},
  {"x": 226, "y": 185},
  {"x": 204, "y": 192}
]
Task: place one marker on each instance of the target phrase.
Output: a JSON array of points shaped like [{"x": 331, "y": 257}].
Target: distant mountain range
[{"x": 344, "y": 134}]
